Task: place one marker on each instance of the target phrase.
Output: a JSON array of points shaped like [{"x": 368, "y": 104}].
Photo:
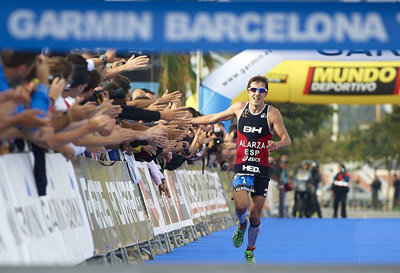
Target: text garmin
[
  {"x": 356, "y": 80},
  {"x": 63, "y": 25},
  {"x": 244, "y": 188}
]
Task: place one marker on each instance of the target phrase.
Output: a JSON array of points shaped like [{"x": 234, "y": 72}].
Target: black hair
[
  {"x": 77, "y": 59},
  {"x": 262, "y": 79},
  {"x": 111, "y": 86},
  {"x": 142, "y": 98},
  {"x": 80, "y": 75},
  {"x": 11, "y": 58},
  {"x": 192, "y": 111},
  {"x": 95, "y": 79},
  {"x": 117, "y": 93},
  {"x": 122, "y": 81},
  {"x": 148, "y": 91}
]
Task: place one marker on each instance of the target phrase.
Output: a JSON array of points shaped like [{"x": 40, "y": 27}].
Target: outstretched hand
[{"x": 135, "y": 63}]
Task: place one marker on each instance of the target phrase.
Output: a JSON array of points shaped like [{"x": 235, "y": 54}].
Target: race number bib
[{"x": 243, "y": 182}]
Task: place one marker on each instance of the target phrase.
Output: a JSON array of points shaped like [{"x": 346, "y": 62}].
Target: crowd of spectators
[{"x": 82, "y": 104}]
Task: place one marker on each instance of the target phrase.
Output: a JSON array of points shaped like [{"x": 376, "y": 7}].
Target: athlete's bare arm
[
  {"x": 276, "y": 122},
  {"x": 234, "y": 110}
]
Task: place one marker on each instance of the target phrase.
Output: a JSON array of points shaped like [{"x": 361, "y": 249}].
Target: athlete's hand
[{"x": 272, "y": 146}]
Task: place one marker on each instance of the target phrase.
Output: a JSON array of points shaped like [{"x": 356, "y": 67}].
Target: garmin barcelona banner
[{"x": 193, "y": 25}]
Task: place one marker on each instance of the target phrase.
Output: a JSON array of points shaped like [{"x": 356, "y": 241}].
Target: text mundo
[{"x": 212, "y": 27}]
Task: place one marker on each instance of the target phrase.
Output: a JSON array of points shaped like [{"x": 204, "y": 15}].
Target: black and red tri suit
[{"x": 253, "y": 135}]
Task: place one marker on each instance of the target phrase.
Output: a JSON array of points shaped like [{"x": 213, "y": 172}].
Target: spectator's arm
[
  {"x": 60, "y": 120},
  {"x": 27, "y": 119},
  {"x": 193, "y": 145},
  {"x": 221, "y": 116},
  {"x": 11, "y": 132},
  {"x": 134, "y": 113},
  {"x": 63, "y": 138},
  {"x": 132, "y": 64},
  {"x": 140, "y": 103},
  {"x": 134, "y": 126}
]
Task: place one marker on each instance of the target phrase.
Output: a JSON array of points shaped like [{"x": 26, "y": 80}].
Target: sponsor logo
[
  {"x": 245, "y": 112},
  {"x": 263, "y": 115},
  {"x": 253, "y": 169},
  {"x": 276, "y": 77},
  {"x": 251, "y": 159},
  {"x": 355, "y": 80},
  {"x": 249, "y": 129},
  {"x": 244, "y": 188}
]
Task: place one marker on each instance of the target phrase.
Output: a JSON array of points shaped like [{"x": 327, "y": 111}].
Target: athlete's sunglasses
[{"x": 260, "y": 90}]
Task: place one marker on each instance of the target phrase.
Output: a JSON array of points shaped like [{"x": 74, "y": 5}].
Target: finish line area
[
  {"x": 300, "y": 242},
  {"x": 285, "y": 245}
]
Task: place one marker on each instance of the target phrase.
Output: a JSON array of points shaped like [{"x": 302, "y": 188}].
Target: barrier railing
[{"x": 100, "y": 209}]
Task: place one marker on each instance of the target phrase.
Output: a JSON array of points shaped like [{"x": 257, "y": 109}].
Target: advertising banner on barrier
[
  {"x": 155, "y": 211},
  {"x": 64, "y": 209},
  {"x": 103, "y": 232},
  {"x": 217, "y": 194},
  {"x": 232, "y": 26},
  {"x": 46, "y": 230},
  {"x": 226, "y": 182},
  {"x": 210, "y": 189},
  {"x": 188, "y": 185},
  {"x": 29, "y": 228},
  {"x": 114, "y": 205},
  {"x": 167, "y": 206},
  {"x": 9, "y": 251},
  {"x": 178, "y": 199},
  {"x": 204, "y": 192},
  {"x": 202, "y": 189}
]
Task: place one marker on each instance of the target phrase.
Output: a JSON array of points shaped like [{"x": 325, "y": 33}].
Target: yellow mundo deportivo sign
[
  {"x": 358, "y": 81},
  {"x": 325, "y": 82}
]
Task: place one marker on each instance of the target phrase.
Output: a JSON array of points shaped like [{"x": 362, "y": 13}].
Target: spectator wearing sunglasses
[{"x": 257, "y": 122}]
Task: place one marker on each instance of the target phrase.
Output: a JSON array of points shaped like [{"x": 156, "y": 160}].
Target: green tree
[
  {"x": 391, "y": 123},
  {"x": 177, "y": 73},
  {"x": 311, "y": 139},
  {"x": 316, "y": 146},
  {"x": 376, "y": 145},
  {"x": 303, "y": 119}
]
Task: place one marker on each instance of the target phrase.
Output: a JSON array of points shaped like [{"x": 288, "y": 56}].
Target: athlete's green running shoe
[
  {"x": 249, "y": 257},
  {"x": 237, "y": 237}
]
